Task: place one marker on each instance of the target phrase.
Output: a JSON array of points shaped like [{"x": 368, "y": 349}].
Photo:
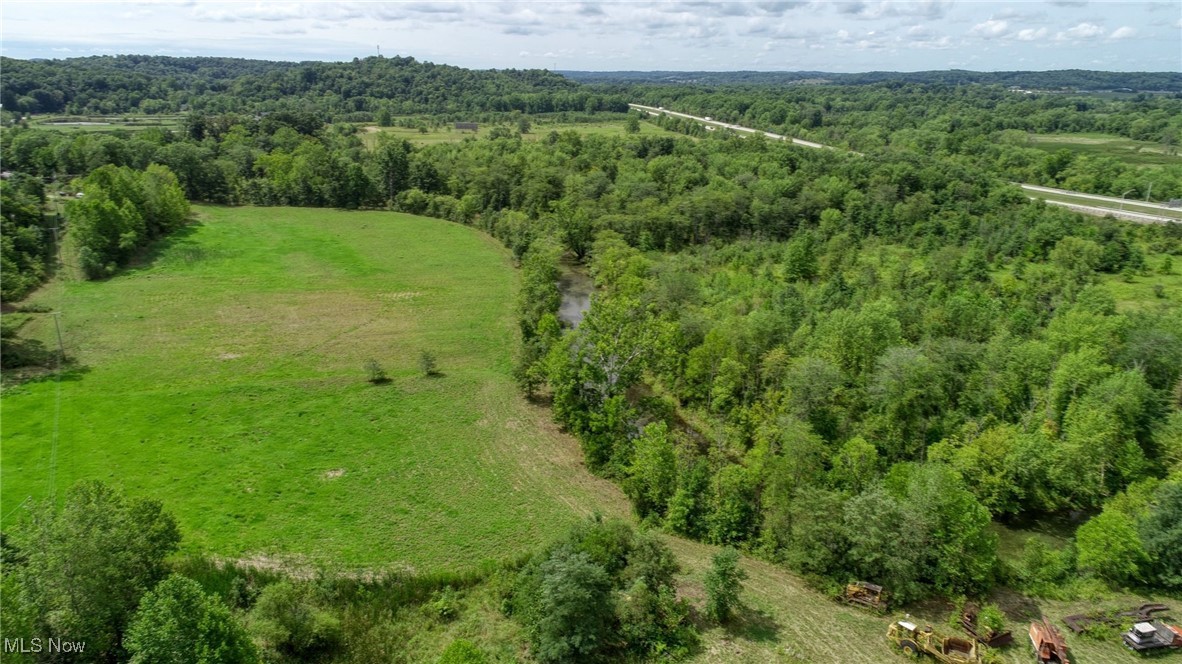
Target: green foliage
[
  {"x": 652, "y": 474},
  {"x": 444, "y": 605},
  {"x": 428, "y": 365},
  {"x": 177, "y": 623},
  {"x": 377, "y": 375},
  {"x": 120, "y": 212},
  {"x": 1109, "y": 548},
  {"x": 290, "y": 623},
  {"x": 991, "y": 619},
  {"x": 87, "y": 566},
  {"x": 24, "y": 240},
  {"x": 724, "y": 585},
  {"x": 603, "y": 591},
  {"x": 1160, "y": 532},
  {"x": 462, "y": 651},
  {"x": 1042, "y": 568}
]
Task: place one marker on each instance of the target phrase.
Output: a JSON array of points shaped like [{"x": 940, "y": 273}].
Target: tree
[
  {"x": 724, "y": 585},
  {"x": 855, "y": 466},
  {"x": 652, "y": 475},
  {"x": 289, "y": 623},
  {"x": 177, "y": 623},
  {"x": 632, "y": 126},
  {"x": 89, "y": 564},
  {"x": 1109, "y": 548},
  {"x": 574, "y": 608},
  {"x": 1161, "y": 534}
]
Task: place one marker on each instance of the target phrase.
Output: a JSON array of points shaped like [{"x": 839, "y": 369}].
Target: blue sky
[{"x": 790, "y": 35}]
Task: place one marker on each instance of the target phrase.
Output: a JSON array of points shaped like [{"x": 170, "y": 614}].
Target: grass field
[
  {"x": 225, "y": 377},
  {"x": 102, "y": 123},
  {"x": 538, "y": 131},
  {"x": 787, "y": 621},
  {"x": 1139, "y": 295},
  {"x": 1137, "y": 153}
]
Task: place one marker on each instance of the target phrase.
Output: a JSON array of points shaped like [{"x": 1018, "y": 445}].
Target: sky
[{"x": 793, "y": 35}]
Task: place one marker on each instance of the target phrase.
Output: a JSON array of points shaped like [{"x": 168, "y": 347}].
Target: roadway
[{"x": 1137, "y": 216}]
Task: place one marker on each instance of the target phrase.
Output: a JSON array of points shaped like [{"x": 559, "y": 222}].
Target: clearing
[
  {"x": 1132, "y": 152},
  {"x": 539, "y": 129},
  {"x": 225, "y": 377}
]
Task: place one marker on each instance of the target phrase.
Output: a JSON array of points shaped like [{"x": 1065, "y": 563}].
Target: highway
[
  {"x": 651, "y": 110},
  {"x": 1096, "y": 197},
  {"x": 1138, "y": 216}
]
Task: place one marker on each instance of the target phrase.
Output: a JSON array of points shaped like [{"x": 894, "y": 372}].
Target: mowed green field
[
  {"x": 225, "y": 377},
  {"x": 784, "y": 620},
  {"x": 1136, "y": 153},
  {"x": 538, "y": 131},
  {"x": 105, "y": 123}
]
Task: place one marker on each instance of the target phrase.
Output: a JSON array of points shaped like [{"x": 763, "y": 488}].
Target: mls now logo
[{"x": 37, "y": 644}]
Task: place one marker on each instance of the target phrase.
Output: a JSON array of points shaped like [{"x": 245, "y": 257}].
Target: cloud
[
  {"x": 1030, "y": 34},
  {"x": 1083, "y": 31},
  {"x": 929, "y": 9},
  {"x": 991, "y": 29},
  {"x": 1123, "y": 32}
]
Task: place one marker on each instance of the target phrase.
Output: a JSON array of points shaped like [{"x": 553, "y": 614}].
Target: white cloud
[
  {"x": 1030, "y": 34},
  {"x": 1123, "y": 32},
  {"x": 1082, "y": 31},
  {"x": 991, "y": 29}
]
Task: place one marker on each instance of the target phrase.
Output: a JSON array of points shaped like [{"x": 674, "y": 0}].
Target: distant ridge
[{"x": 1066, "y": 79}]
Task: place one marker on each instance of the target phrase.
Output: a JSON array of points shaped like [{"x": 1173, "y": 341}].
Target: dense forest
[
  {"x": 1067, "y": 80},
  {"x": 157, "y": 84},
  {"x": 850, "y": 364}
]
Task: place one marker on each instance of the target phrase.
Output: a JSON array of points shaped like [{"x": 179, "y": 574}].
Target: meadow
[
  {"x": 538, "y": 131},
  {"x": 1133, "y": 152},
  {"x": 105, "y": 123},
  {"x": 224, "y": 375}
]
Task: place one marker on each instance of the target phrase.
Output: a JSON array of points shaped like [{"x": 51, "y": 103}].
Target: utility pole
[
  {"x": 1148, "y": 191},
  {"x": 61, "y": 347}
]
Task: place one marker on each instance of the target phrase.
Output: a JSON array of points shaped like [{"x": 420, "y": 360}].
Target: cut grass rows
[{"x": 225, "y": 377}]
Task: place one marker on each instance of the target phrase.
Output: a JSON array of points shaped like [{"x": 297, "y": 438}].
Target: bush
[
  {"x": 444, "y": 605},
  {"x": 462, "y": 651},
  {"x": 427, "y": 364},
  {"x": 377, "y": 375},
  {"x": 724, "y": 583},
  {"x": 287, "y": 621},
  {"x": 178, "y": 623}
]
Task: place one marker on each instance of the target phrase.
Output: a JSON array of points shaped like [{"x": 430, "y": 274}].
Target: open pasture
[
  {"x": 1136, "y": 153},
  {"x": 225, "y": 376},
  {"x": 539, "y": 129},
  {"x": 104, "y": 123}
]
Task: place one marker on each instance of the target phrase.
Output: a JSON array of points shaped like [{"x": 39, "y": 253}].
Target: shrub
[
  {"x": 377, "y": 375},
  {"x": 462, "y": 651},
  {"x": 427, "y": 364},
  {"x": 288, "y": 622},
  {"x": 724, "y": 583}
]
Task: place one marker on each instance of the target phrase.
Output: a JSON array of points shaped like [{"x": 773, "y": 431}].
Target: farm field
[
  {"x": 538, "y": 131},
  {"x": 225, "y": 377},
  {"x": 1137, "y": 153},
  {"x": 104, "y": 123}
]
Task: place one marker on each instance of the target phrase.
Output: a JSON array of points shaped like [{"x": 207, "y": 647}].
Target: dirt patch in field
[{"x": 334, "y": 473}]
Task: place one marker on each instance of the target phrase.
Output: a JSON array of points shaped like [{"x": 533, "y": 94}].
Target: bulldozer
[
  {"x": 914, "y": 641},
  {"x": 865, "y": 594}
]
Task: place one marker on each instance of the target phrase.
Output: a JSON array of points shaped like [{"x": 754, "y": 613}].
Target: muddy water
[{"x": 576, "y": 287}]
